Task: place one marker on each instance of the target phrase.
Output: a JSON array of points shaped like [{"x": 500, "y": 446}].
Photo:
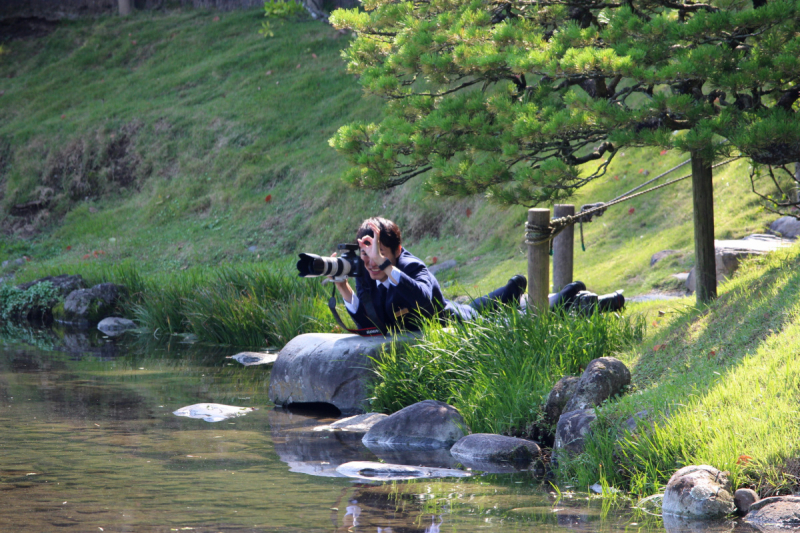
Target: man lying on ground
[{"x": 399, "y": 291}]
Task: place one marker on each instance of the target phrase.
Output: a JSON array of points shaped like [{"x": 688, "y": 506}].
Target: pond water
[{"x": 89, "y": 442}]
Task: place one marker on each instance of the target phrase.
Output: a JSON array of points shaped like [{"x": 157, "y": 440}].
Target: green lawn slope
[
  {"x": 185, "y": 139},
  {"x": 717, "y": 385}
]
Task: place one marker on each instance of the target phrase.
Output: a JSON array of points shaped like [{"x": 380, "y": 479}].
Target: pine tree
[{"x": 512, "y": 98}]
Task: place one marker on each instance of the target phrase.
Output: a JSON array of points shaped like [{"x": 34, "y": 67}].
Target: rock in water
[
  {"x": 385, "y": 472},
  {"x": 485, "y": 447},
  {"x": 254, "y": 358},
  {"x": 326, "y": 368},
  {"x": 88, "y": 306},
  {"x": 212, "y": 412},
  {"x": 779, "y": 512},
  {"x": 698, "y": 492},
  {"x": 603, "y": 378},
  {"x": 426, "y": 424},
  {"x": 354, "y": 424},
  {"x": 743, "y": 499},
  {"x": 113, "y": 326}
]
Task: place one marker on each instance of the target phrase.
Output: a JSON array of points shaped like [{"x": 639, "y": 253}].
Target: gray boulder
[
  {"x": 64, "y": 283},
  {"x": 603, "y": 378},
  {"x": 776, "y": 512},
  {"x": 355, "y": 424},
  {"x": 113, "y": 326},
  {"x": 786, "y": 227},
  {"x": 89, "y": 306},
  {"x": 557, "y": 399},
  {"x": 698, "y": 492},
  {"x": 728, "y": 254},
  {"x": 658, "y": 256},
  {"x": 488, "y": 448},
  {"x": 427, "y": 424},
  {"x": 444, "y": 265},
  {"x": 743, "y": 499},
  {"x": 326, "y": 368},
  {"x": 571, "y": 432}
]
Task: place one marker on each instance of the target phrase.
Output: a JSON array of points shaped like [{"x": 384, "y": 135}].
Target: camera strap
[{"x": 377, "y": 331}]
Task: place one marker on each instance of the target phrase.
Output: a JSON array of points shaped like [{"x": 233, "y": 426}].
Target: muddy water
[{"x": 88, "y": 442}]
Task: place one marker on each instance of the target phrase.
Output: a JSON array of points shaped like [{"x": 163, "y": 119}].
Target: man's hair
[{"x": 390, "y": 232}]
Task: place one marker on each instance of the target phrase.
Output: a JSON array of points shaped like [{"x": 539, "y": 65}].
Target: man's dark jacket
[{"x": 417, "y": 295}]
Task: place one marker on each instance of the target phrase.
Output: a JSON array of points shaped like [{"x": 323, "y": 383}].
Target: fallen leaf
[
  {"x": 641, "y": 170},
  {"x": 434, "y": 260},
  {"x": 63, "y": 116},
  {"x": 298, "y": 65},
  {"x": 712, "y": 352},
  {"x": 69, "y": 248},
  {"x": 469, "y": 212},
  {"x": 86, "y": 256},
  {"x": 616, "y": 178},
  {"x": 659, "y": 347},
  {"x": 743, "y": 459},
  {"x": 133, "y": 43},
  {"x": 663, "y": 152},
  {"x": 268, "y": 199},
  {"x": 631, "y": 211},
  {"x": 216, "y": 19},
  {"x": 314, "y": 56}
]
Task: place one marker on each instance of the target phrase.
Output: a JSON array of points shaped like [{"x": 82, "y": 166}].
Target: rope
[{"x": 542, "y": 234}]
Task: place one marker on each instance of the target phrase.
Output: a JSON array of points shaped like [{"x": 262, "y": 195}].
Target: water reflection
[
  {"x": 315, "y": 453},
  {"x": 89, "y": 441}
]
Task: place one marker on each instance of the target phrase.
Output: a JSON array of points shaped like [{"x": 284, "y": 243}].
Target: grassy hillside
[
  {"x": 718, "y": 385},
  {"x": 159, "y": 138}
]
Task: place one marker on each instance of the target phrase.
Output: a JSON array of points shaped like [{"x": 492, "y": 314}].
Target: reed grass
[
  {"x": 497, "y": 370},
  {"x": 244, "y": 305}
]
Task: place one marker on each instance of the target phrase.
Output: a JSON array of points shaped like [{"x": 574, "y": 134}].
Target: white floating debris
[
  {"x": 597, "y": 488},
  {"x": 212, "y": 412},
  {"x": 385, "y": 471},
  {"x": 254, "y": 358}
]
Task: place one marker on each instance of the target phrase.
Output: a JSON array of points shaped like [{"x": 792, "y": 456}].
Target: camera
[
  {"x": 339, "y": 268},
  {"x": 586, "y": 302}
]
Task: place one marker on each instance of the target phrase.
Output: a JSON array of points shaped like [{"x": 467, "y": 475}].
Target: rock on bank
[{"x": 327, "y": 368}]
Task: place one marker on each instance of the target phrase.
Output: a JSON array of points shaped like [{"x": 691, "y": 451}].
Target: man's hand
[{"x": 372, "y": 245}]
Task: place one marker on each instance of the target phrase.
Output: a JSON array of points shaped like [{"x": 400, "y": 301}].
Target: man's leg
[
  {"x": 510, "y": 293},
  {"x": 566, "y": 296}
]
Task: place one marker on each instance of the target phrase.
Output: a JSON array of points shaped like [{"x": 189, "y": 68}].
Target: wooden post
[
  {"x": 703, "y": 206},
  {"x": 563, "y": 249},
  {"x": 124, "y": 8},
  {"x": 538, "y": 264}
]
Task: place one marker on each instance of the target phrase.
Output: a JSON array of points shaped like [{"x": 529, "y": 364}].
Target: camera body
[{"x": 348, "y": 264}]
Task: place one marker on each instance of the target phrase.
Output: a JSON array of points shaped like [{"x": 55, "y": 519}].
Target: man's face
[{"x": 372, "y": 268}]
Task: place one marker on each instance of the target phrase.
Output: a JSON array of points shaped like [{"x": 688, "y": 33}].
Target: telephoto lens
[{"x": 338, "y": 268}]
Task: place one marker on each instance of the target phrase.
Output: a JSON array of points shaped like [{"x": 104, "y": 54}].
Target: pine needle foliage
[{"x": 512, "y": 97}]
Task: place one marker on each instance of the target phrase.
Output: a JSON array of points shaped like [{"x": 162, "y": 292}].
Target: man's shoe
[{"x": 515, "y": 288}]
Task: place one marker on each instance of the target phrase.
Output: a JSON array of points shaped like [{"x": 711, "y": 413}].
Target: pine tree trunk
[
  {"x": 124, "y": 7},
  {"x": 703, "y": 206}
]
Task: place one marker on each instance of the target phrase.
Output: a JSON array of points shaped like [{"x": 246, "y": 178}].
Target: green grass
[
  {"x": 720, "y": 385},
  {"x": 497, "y": 370},
  {"x": 157, "y": 139}
]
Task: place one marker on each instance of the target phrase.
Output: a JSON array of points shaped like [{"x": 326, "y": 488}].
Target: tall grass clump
[
  {"x": 497, "y": 370},
  {"x": 237, "y": 305}
]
